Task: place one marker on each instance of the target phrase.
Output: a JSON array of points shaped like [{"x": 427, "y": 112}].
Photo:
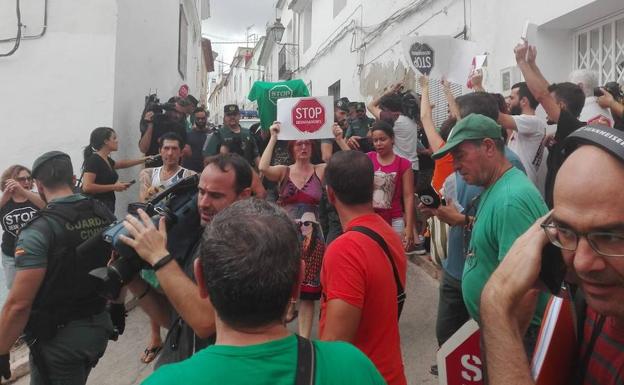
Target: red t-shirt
[
  {"x": 357, "y": 271},
  {"x": 606, "y": 363}
]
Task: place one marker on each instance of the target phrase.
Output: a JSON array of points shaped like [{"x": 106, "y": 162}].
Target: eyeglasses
[
  {"x": 605, "y": 243},
  {"x": 24, "y": 179}
]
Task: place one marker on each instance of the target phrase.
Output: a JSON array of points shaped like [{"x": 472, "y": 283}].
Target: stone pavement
[{"x": 121, "y": 366}]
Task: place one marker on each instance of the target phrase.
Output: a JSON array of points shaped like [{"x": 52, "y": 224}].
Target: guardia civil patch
[{"x": 19, "y": 251}]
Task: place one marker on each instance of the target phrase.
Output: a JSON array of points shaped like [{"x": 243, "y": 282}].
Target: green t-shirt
[
  {"x": 267, "y": 94},
  {"x": 269, "y": 363},
  {"x": 31, "y": 249},
  {"x": 506, "y": 210}
]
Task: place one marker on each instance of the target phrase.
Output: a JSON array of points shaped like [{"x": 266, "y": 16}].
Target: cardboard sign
[
  {"x": 459, "y": 359},
  {"x": 306, "y": 118},
  {"x": 422, "y": 57},
  {"x": 439, "y": 56}
]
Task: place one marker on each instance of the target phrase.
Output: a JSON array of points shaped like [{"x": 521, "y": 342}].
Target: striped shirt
[{"x": 606, "y": 363}]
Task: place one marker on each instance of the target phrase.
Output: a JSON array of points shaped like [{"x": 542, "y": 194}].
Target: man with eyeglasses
[{"x": 587, "y": 224}]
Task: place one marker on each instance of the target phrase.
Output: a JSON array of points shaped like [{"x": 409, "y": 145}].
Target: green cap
[
  {"x": 44, "y": 158},
  {"x": 473, "y": 126}
]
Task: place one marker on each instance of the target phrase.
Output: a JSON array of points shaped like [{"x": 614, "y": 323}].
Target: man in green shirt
[
  {"x": 250, "y": 269},
  {"x": 232, "y": 138},
  {"x": 507, "y": 207}
]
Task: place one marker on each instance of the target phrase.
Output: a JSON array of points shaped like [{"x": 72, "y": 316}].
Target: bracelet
[
  {"x": 147, "y": 290},
  {"x": 162, "y": 262}
]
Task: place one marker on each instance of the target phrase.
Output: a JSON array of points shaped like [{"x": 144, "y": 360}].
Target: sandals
[{"x": 150, "y": 353}]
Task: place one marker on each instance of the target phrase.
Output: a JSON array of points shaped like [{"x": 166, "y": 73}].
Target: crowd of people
[{"x": 277, "y": 227}]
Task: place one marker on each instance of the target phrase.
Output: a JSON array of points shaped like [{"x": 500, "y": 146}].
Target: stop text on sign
[{"x": 308, "y": 112}]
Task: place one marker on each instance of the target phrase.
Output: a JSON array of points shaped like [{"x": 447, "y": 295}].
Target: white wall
[
  {"x": 56, "y": 89},
  {"x": 146, "y": 57},
  {"x": 495, "y": 25}
]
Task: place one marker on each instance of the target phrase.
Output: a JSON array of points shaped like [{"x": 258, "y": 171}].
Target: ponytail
[{"x": 96, "y": 141}]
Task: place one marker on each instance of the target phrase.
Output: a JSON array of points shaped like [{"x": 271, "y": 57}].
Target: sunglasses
[
  {"x": 24, "y": 179},
  {"x": 306, "y": 223}
]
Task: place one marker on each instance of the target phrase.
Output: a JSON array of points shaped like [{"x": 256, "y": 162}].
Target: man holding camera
[
  {"x": 189, "y": 318},
  {"x": 158, "y": 124},
  {"x": 53, "y": 299},
  {"x": 586, "y": 224}
]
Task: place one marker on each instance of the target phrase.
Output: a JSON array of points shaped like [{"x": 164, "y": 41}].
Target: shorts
[{"x": 8, "y": 265}]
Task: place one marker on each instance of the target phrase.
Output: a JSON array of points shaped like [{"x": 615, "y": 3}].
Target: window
[
  {"x": 338, "y": 6},
  {"x": 438, "y": 99},
  {"x": 182, "y": 43},
  {"x": 307, "y": 27},
  {"x": 600, "y": 48},
  {"x": 334, "y": 90}
]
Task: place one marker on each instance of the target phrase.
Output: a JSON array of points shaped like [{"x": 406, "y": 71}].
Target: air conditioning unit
[{"x": 509, "y": 77}]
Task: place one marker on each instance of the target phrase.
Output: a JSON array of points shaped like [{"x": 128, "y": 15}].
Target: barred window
[{"x": 600, "y": 47}]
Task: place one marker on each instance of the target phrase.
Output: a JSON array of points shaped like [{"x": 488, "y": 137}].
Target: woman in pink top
[{"x": 393, "y": 197}]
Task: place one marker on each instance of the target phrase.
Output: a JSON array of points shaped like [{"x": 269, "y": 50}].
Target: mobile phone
[
  {"x": 133, "y": 181},
  {"x": 553, "y": 269},
  {"x": 429, "y": 197}
]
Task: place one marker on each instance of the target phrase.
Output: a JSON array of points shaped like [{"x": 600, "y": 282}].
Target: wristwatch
[{"x": 162, "y": 262}]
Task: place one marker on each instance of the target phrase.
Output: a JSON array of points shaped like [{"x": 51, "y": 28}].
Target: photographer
[
  {"x": 159, "y": 123},
  {"x": 612, "y": 98},
  {"x": 189, "y": 318}
]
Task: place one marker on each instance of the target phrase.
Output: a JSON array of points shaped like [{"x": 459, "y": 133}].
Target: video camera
[
  {"x": 613, "y": 88},
  {"x": 178, "y": 204}
]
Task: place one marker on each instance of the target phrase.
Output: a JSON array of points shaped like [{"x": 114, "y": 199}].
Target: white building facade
[
  {"x": 93, "y": 66},
  {"x": 352, "y": 47},
  {"x": 233, "y": 87}
]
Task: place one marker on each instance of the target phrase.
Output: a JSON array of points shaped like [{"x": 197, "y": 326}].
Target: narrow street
[{"x": 121, "y": 366}]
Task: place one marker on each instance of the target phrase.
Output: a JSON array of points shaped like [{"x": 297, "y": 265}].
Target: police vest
[
  {"x": 240, "y": 143},
  {"x": 68, "y": 292}
]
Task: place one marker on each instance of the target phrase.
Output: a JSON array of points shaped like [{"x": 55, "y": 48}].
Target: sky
[{"x": 228, "y": 22}]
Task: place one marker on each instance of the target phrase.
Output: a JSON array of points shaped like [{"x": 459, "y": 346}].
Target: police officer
[
  {"x": 233, "y": 138},
  {"x": 358, "y": 127},
  {"x": 53, "y": 299}
]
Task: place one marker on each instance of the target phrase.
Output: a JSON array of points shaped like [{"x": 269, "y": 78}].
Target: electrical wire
[
  {"x": 235, "y": 66},
  {"x": 44, "y": 28},
  {"x": 18, "y": 38}
]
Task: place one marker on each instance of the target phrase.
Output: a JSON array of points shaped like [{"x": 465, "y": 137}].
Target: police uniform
[
  {"x": 69, "y": 327},
  {"x": 360, "y": 127},
  {"x": 241, "y": 143}
]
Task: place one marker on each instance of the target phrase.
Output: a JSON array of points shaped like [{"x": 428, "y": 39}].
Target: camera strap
[{"x": 306, "y": 361}]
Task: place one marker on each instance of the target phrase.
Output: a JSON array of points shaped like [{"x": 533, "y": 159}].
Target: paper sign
[
  {"x": 459, "y": 359},
  {"x": 439, "y": 56},
  {"x": 306, "y": 118}
]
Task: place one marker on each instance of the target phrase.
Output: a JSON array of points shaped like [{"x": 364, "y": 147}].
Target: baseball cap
[
  {"x": 606, "y": 138},
  {"x": 44, "y": 158},
  {"x": 342, "y": 104},
  {"x": 360, "y": 106},
  {"x": 231, "y": 109},
  {"x": 473, "y": 126}
]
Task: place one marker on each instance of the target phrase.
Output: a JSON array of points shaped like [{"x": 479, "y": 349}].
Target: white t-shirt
[
  {"x": 527, "y": 142},
  {"x": 406, "y": 140},
  {"x": 592, "y": 111}
]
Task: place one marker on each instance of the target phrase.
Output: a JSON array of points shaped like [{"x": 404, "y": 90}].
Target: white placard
[
  {"x": 306, "y": 118},
  {"x": 441, "y": 56}
]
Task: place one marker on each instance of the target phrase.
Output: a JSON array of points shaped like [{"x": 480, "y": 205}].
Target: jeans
[
  {"x": 452, "y": 313},
  {"x": 8, "y": 265}
]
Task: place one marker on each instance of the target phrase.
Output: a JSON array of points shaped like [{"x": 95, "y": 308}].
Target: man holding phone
[
  {"x": 586, "y": 224},
  {"x": 506, "y": 208}
]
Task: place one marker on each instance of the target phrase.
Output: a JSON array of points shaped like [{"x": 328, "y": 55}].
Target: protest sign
[
  {"x": 438, "y": 56},
  {"x": 459, "y": 359},
  {"x": 306, "y": 118}
]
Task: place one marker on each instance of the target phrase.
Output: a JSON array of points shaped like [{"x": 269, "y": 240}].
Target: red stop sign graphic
[
  {"x": 463, "y": 365},
  {"x": 308, "y": 115}
]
